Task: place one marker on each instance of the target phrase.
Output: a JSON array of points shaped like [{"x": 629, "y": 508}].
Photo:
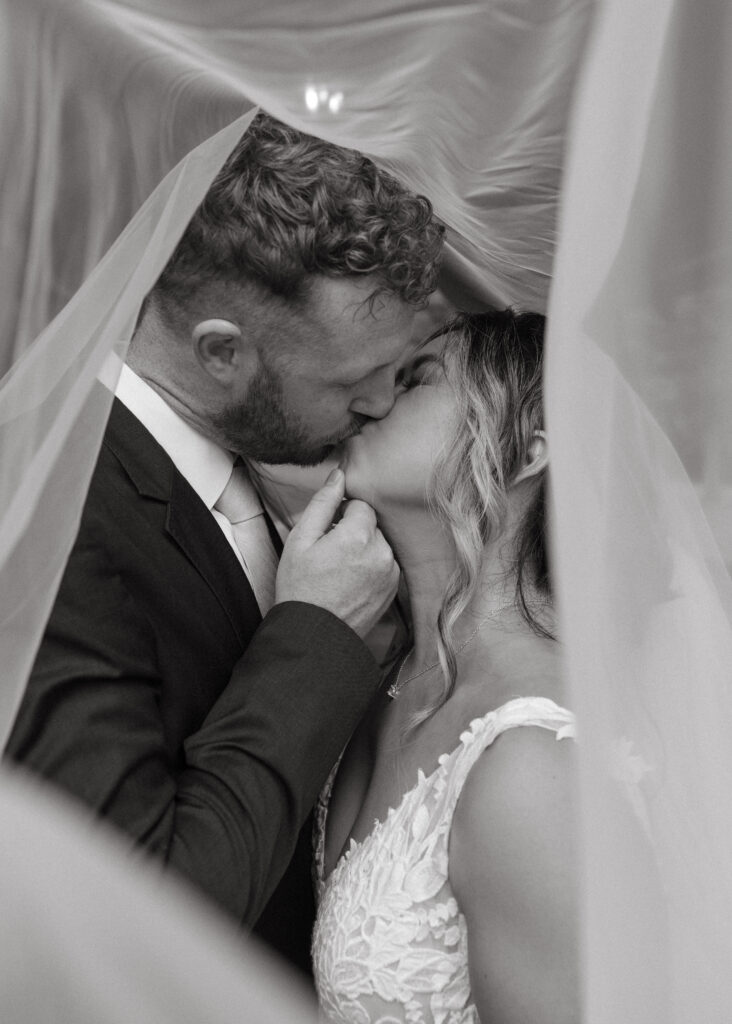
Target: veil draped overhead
[{"x": 493, "y": 110}]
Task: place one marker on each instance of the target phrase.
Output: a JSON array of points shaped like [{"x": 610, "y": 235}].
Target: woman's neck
[{"x": 426, "y": 553}]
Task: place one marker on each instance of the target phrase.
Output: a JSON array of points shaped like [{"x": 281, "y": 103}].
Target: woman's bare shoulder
[
  {"x": 516, "y": 810},
  {"x": 513, "y": 868}
]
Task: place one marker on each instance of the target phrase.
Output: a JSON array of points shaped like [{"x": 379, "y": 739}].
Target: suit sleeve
[{"x": 227, "y": 814}]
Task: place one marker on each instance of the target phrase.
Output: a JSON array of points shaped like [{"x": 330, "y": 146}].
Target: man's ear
[
  {"x": 218, "y": 346},
  {"x": 537, "y": 460}
]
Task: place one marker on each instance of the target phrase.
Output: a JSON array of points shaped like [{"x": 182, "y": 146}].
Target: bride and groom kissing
[{"x": 198, "y": 680}]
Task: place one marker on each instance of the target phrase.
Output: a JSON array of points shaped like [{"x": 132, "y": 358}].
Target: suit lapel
[
  {"x": 188, "y": 522},
  {"x": 196, "y": 533}
]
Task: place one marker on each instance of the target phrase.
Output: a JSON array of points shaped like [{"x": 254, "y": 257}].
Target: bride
[{"x": 445, "y": 845}]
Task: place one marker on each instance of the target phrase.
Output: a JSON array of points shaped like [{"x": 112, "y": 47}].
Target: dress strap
[
  {"x": 481, "y": 732},
  {"x": 537, "y": 711}
]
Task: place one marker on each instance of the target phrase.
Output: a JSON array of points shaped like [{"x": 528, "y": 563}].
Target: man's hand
[{"x": 347, "y": 568}]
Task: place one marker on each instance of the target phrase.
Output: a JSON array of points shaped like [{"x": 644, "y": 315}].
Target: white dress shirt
[{"x": 204, "y": 464}]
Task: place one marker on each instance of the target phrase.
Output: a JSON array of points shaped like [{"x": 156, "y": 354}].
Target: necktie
[{"x": 240, "y": 503}]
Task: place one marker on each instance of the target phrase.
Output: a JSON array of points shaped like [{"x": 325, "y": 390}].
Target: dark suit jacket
[{"x": 161, "y": 699}]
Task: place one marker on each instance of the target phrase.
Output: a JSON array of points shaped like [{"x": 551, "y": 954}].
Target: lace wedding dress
[{"x": 390, "y": 942}]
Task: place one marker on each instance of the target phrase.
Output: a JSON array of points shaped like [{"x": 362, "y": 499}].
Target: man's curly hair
[{"x": 287, "y": 205}]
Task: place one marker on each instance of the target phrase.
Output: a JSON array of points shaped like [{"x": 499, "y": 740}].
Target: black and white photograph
[{"x": 366, "y": 512}]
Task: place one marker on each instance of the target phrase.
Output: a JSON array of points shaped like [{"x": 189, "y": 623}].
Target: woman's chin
[
  {"x": 359, "y": 482},
  {"x": 359, "y": 488}
]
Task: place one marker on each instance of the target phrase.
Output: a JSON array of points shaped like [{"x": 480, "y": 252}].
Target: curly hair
[
  {"x": 287, "y": 205},
  {"x": 493, "y": 361}
]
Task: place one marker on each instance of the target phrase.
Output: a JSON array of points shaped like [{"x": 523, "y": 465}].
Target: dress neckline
[{"x": 351, "y": 845}]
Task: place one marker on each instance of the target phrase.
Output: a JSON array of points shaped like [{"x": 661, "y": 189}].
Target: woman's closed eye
[{"x": 424, "y": 370}]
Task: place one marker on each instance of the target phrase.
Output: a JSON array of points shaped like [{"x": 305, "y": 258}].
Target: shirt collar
[{"x": 204, "y": 464}]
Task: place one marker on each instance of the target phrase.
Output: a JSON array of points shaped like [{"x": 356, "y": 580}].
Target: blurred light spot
[{"x": 318, "y": 96}]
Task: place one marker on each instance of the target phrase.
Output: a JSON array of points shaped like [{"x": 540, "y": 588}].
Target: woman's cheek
[
  {"x": 380, "y": 469},
  {"x": 393, "y": 459}
]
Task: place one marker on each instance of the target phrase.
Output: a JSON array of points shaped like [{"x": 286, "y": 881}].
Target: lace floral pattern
[{"x": 390, "y": 944}]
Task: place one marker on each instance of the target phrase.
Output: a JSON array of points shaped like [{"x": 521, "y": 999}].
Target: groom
[{"x": 186, "y": 688}]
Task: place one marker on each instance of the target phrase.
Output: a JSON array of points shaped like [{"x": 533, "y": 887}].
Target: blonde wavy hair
[{"x": 493, "y": 361}]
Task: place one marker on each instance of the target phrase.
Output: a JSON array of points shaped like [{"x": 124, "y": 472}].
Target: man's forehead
[
  {"x": 360, "y": 360},
  {"x": 352, "y": 329},
  {"x": 352, "y": 320},
  {"x": 357, "y": 300}
]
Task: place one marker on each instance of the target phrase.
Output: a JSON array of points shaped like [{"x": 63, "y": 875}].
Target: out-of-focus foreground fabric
[
  {"x": 478, "y": 105},
  {"x": 91, "y": 936}
]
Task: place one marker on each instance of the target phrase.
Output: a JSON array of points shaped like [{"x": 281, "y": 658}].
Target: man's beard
[{"x": 263, "y": 429}]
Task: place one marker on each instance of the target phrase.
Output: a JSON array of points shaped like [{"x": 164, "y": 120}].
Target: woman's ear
[
  {"x": 537, "y": 459},
  {"x": 218, "y": 346}
]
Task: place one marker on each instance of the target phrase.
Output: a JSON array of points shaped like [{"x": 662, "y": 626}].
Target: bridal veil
[{"x": 580, "y": 155}]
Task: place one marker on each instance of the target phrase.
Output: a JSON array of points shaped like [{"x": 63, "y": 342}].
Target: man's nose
[{"x": 377, "y": 402}]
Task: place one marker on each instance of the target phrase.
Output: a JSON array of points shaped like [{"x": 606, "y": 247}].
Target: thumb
[{"x": 322, "y": 507}]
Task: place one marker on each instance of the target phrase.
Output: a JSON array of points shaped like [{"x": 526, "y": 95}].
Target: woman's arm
[{"x": 513, "y": 871}]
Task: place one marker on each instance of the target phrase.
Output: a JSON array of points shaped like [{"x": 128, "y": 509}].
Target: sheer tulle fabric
[
  {"x": 54, "y": 403},
  {"x": 469, "y": 103},
  {"x": 638, "y": 391},
  {"x": 110, "y": 95}
]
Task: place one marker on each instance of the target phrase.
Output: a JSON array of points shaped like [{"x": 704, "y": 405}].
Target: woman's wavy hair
[
  {"x": 287, "y": 205},
  {"x": 493, "y": 361}
]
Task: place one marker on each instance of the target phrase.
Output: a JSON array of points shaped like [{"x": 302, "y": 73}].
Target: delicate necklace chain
[{"x": 399, "y": 683}]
